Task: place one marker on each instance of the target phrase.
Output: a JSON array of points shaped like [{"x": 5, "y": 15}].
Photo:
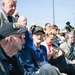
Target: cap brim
[
  {"x": 38, "y": 31},
  {"x": 7, "y": 30},
  {"x": 20, "y": 31},
  {"x": 56, "y": 46}
]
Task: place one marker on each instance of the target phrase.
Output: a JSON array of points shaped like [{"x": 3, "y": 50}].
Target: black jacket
[{"x": 10, "y": 66}]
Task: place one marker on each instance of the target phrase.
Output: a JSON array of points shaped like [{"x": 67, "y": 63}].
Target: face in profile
[{"x": 17, "y": 41}]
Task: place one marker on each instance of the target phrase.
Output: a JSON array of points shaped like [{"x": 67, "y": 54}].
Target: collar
[
  {"x": 48, "y": 44},
  {"x": 2, "y": 54}
]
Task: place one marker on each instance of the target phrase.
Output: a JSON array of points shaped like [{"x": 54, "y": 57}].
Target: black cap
[
  {"x": 54, "y": 45},
  {"x": 9, "y": 29},
  {"x": 37, "y": 29}
]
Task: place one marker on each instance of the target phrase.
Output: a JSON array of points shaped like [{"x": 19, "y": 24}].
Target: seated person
[
  {"x": 34, "y": 56},
  {"x": 69, "y": 49},
  {"x": 11, "y": 40}
]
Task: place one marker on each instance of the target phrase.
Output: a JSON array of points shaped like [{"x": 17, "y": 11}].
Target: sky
[{"x": 40, "y": 12}]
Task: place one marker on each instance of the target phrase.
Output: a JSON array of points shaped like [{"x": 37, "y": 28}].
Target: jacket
[
  {"x": 10, "y": 66},
  {"x": 30, "y": 60},
  {"x": 4, "y": 19}
]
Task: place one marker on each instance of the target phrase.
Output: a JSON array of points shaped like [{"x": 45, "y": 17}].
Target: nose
[
  {"x": 13, "y": 7},
  {"x": 23, "y": 40},
  {"x": 23, "y": 36}
]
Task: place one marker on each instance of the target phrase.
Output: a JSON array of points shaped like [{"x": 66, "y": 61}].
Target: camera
[{"x": 69, "y": 27}]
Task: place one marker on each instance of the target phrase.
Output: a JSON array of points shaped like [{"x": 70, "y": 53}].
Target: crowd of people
[{"x": 36, "y": 50}]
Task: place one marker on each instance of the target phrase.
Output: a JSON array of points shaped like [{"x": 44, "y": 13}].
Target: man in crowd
[
  {"x": 8, "y": 9},
  {"x": 69, "y": 50},
  {"x": 11, "y": 40},
  {"x": 22, "y": 20},
  {"x": 34, "y": 59},
  {"x": 16, "y": 15}
]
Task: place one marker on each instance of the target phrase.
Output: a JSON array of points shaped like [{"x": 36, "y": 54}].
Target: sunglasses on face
[{"x": 16, "y": 15}]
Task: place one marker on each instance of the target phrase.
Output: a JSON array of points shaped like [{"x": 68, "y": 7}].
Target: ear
[
  {"x": 9, "y": 39},
  {"x": 3, "y": 4},
  {"x": 46, "y": 36}
]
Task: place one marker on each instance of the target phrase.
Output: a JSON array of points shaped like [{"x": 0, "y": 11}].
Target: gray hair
[
  {"x": 7, "y": 1},
  {"x": 68, "y": 34},
  {"x": 21, "y": 17}
]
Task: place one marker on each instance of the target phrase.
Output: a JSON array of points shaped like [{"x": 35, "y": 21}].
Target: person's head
[
  {"x": 37, "y": 34},
  {"x": 31, "y": 28},
  {"x": 11, "y": 39},
  {"x": 47, "y": 27},
  {"x": 70, "y": 37},
  {"x": 58, "y": 31},
  {"x": 22, "y": 20},
  {"x": 50, "y": 37},
  {"x": 9, "y": 6},
  {"x": 55, "y": 27},
  {"x": 16, "y": 15}
]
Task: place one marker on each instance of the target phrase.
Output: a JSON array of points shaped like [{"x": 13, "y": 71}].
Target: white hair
[
  {"x": 7, "y": 1},
  {"x": 20, "y": 18}
]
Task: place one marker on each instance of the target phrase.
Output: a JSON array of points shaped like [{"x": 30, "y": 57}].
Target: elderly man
[
  {"x": 8, "y": 8},
  {"x": 34, "y": 56},
  {"x": 11, "y": 40},
  {"x": 22, "y": 20},
  {"x": 69, "y": 50}
]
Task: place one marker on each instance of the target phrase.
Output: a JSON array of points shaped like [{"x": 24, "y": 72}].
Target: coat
[
  {"x": 10, "y": 66},
  {"x": 4, "y": 19}
]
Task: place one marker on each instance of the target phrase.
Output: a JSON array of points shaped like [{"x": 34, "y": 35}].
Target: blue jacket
[
  {"x": 42, "y": 54},
  {"x": 30, "y": 59},
  {"x": 28, "y": 37}
]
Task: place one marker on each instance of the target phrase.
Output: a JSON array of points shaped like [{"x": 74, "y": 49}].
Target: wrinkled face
[
  {"x": 15, "y": 43},
  {"x": 71, "y": 39},
  {"x": 18, "y": 41},
  {"x": 16, "y": 16},
  {"x": 38, "y": 37},
  {"x": 24, "y": 21},
  {"x": 50, "y": 39},
  {"x": 9, "y": 7}
]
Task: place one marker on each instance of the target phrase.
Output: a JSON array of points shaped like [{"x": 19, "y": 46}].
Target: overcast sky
[{"x": 41, "y": 11}]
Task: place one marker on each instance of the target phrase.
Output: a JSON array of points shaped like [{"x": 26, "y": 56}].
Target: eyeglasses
[{"x": 16, "y": 15}]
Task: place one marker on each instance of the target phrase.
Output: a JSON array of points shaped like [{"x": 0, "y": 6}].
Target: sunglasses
[{"x": 16, "y": 15}]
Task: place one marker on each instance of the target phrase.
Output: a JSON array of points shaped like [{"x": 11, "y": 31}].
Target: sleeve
[
  {"x": 30, "y": 73},
  {"x": 0, "y": 71}
]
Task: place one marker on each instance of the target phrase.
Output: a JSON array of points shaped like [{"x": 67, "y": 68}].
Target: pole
[
  {"x": 53, "y": 12},
  {"x": 74, "y": 19}
]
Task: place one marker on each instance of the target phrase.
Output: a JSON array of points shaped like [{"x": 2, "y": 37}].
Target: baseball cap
[
  {"x": 37, "y": 29},
  {"x": 54, "y": 45},
  {"x": 9, "y": 29}
]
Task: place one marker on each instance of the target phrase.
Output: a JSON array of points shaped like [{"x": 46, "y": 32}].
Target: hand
[
  {"x": 37, "y": 72},
  {"x": 18, "y": 25},
  {"x": 56, "y": 68},
  {"x": 64, "y": 74},
  {"x": 53, "y": 52},
  {"x": 73, "y": 61}
]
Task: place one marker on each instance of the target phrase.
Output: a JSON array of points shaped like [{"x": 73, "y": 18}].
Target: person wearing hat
[
  {"x": 34, "y": 56},
  {"x": 11, "y": 40}
]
